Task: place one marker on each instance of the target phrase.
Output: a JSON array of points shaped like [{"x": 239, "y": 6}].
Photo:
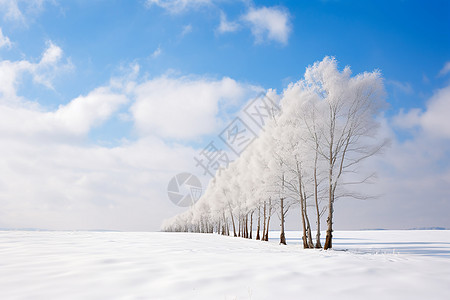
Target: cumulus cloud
[
  {"x": 269, "y": 24},
  {"x": 183, "y": 108},
  {"x": 177, "y": 6}
]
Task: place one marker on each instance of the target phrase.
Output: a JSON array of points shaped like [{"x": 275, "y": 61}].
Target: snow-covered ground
[{"x": 126, "y": 265}]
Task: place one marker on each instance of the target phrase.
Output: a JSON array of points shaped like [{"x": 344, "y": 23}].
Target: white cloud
[
  {"x": 434, "y": 120},
  {"x": 50, "y": 65},
  {"x": 9, "y": 74},
  {"x": 20, "y": 10},
  {"x": 4, "y": 40},
  {"x": 157, "y": 52},
  {"x": 178, "y": 6},
  {"x": 64, "y": 186},
  {"x": 51, "y": 179},
  {"x": 445, "y": 70},
  {"x": 186, "y": 29},
  {"x": 43, "y": 72},
  {"x": 53, "y": 176},
  {"x": 10, "y": 10},
  {"x": 266, "y": 23},
  {"x": 269, "y": 24},
  {"x": 407, "y": 120},
  {"x": 52, "y": 54},
  {"x": 225, "y": 25},
  {"x": 74, "y": 119},
  {"x": 82, "y": 113},
  {"x": 404, "y": 87},
  {"x": 183, "y": 108}
]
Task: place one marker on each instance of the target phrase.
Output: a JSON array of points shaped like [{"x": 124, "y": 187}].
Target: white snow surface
[{"x": 156, "y": 265}]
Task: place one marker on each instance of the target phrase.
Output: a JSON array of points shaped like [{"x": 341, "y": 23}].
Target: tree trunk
[
  {"x": 232, "y": 221},
  {"x": 316, "y": 199},
  {"x": 263, "y": 238},
  {"x": 328, "y": 242},
  {"x": 240, "y": 223},
  {"x": 282, "y": 235},
  {"x": 259, "y": 223},
  {"x": 304, "y": 238},
  {"x": 246, "y": 226},
  {"x": 266, "y": 238},
  {"x": 224, "y": 226},
  {"x": 251, "y": 224},
  {"x": 308, "y": 229},
  {"x": 268, "y": 220}
]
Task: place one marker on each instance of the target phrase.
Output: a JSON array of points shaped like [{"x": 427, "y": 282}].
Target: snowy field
[{"x": 124, "y": 265}]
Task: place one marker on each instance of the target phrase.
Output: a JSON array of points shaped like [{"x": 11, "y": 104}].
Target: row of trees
[{"x": 307, "y": 155}]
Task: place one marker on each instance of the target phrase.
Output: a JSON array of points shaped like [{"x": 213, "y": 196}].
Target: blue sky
[
  {"x": 226, "y": 50},
  {"x": 407, "y": 40}
]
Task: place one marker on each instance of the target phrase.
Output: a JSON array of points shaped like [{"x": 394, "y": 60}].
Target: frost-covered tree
[{"x": 345, "y": 121}]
